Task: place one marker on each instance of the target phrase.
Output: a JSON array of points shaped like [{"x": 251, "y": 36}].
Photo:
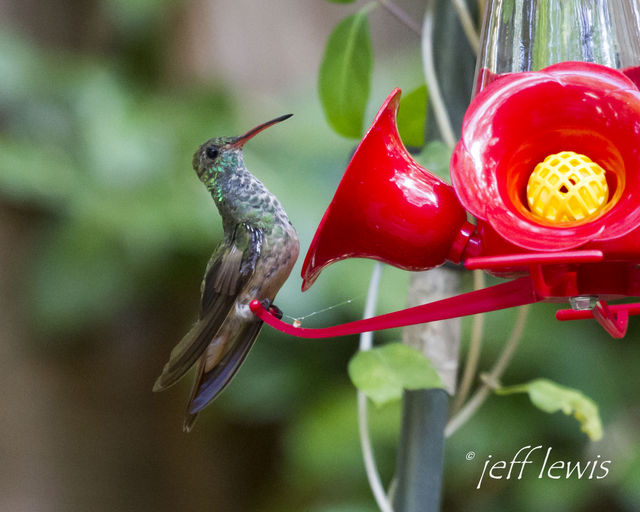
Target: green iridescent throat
[{"x": 226, "y": 163}]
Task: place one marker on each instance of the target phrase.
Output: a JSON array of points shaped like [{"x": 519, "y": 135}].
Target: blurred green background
[{"x": 104, "y": 235}]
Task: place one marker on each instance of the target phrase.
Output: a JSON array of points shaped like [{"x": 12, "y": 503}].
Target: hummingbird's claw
[
  {"x": 276, "y": 311},
  {"x": 272, "y": 308},
  {"x": 265, "y": 303}
]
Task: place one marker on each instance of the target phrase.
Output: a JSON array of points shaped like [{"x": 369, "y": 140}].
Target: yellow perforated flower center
[{"x": 567, "y": 187}]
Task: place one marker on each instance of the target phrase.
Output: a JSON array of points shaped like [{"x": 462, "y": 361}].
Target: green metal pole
[{"x": 421, "y": 454}]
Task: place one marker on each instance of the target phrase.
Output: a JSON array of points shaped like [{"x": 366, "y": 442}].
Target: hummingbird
[{"x": 259, "y": 249}]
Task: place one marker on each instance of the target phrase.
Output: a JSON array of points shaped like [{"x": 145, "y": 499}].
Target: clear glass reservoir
[{"x": 527, "y": 35}]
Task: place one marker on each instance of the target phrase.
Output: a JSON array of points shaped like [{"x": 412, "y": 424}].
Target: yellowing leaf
[{"x": 551, "y": 397}]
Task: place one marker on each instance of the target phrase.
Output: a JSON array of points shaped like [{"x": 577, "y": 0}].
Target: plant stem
[
  {"x": 481, "y": 5},
  {"x": 401, "y": 15},
  {"x": 437, "y": 103},
  {"x": 366, "y": 342},
  {"x": 498, "y": 369},
  {"x": 467, "y": 24},
  {"x": 475, "y": 345}
]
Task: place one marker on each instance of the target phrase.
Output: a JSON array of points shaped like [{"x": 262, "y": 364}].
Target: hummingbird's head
[
  {"x": 214, "y": 156},
  {"x": 221, "y": 154}
]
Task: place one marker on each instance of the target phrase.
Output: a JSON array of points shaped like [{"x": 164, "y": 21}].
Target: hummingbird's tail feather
[
  {"x": 190, "y": 419},
  {"x": 194, "y": 343},
  {"x": 222, "y": 282},
  {"x": 209, "y": 384}
]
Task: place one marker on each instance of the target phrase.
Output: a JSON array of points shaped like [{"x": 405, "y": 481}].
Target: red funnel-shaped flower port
[
  {"x": 387, "y": 207},
  {"x": 519, "y": 120}
]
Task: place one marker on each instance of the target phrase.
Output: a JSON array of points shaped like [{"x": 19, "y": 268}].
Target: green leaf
[
  {"x": 551, "y": 397},
  {"x": 412, "y": 117},
  {"x": 382, "y": 373},
  {"x": 435, "y": 157},
  {"x": 345, "y": 75},
  {"x": 341, "y": 1}
]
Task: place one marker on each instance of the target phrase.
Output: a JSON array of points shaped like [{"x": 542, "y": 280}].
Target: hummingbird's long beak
[{"x": 240, "y": 141}]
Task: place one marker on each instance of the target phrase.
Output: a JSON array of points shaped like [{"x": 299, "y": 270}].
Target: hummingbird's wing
[
  {"x": 227, "y": 272},
  {"x": 209, "y": 384}
]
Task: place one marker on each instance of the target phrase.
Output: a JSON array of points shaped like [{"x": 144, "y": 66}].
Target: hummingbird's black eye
[{"x": 212, "y": 152}]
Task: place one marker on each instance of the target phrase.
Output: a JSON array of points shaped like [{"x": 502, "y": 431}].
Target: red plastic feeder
[{"x": 389, "y": 208}]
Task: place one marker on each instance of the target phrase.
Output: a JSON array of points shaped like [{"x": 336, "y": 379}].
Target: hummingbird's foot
[
  {"x": 276, "y": 311},
  {"x": 272, "y": 308}
]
